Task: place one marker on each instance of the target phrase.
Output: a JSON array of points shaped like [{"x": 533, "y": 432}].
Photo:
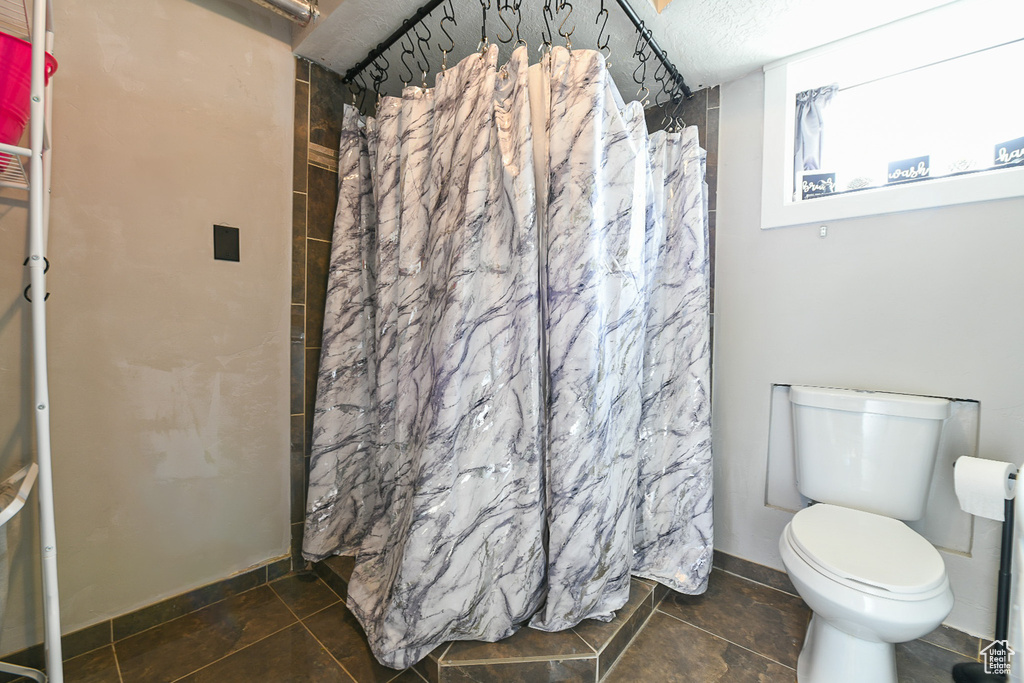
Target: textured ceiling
[{"x": 710, "y": 41}]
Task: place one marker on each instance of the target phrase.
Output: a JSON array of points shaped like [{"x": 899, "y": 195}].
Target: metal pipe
[
  {"x": 1003, "y": 585},
  {"x": 300, "y": 11},
  {"x": 38, "y": 198}
]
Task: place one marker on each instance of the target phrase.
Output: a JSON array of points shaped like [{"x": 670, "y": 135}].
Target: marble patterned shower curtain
[
  {"x": 435, "y": 484},
  {"x": 673, "y": 542},
  {"x": 595, "y": 233},
  {"x": 503, "y": 431}
]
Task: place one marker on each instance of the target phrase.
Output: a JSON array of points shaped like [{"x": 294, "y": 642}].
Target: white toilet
[{"x": 866, "y": 459}]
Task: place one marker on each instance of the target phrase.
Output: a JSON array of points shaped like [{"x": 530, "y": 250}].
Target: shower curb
[{"x": 599, "y": 645}]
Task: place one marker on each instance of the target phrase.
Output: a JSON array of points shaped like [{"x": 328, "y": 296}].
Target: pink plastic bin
[{"x": 15, "y": 88}]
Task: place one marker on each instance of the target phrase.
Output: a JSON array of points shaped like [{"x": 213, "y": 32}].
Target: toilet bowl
[{"x": 871, "y": 582}]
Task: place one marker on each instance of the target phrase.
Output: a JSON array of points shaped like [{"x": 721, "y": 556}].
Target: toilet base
[{"x": 833, "y": 656}]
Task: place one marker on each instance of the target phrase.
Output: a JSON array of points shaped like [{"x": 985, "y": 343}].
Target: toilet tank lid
[
  {"x": 868, "y": 548},
  {"x": 902, "y": 405}
]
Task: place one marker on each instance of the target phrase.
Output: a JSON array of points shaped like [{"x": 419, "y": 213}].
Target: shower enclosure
[{"x": 512, "y": 412}]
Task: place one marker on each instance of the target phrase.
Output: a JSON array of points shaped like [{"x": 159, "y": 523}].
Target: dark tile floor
[
  {"x": 297, "y": 629},
  {"x": 740, "y": 631}
]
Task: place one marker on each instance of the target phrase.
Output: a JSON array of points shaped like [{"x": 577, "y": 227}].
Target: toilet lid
[{"x": 869, "y": 548}]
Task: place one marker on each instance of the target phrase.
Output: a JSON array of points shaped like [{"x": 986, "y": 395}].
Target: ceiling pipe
[{"x": 300, "y": 11}]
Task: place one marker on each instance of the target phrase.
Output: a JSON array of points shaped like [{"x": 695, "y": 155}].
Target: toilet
[{"x": 866, "y": 460}]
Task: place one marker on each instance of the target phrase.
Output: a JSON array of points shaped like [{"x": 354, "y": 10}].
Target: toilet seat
[{"x": 867, "y": 552}]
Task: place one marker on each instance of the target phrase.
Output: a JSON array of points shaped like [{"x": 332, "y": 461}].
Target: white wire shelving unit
[{"x": 28, "y": 168}]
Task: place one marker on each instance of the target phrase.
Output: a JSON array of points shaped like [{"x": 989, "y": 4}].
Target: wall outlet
[{"x": 225, "y": 243}]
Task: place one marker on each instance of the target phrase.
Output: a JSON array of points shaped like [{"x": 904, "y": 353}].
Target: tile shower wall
[{"x": 319, "y": 98}]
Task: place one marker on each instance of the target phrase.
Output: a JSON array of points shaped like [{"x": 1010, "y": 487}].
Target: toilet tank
[{"x": 866, "y": 450}]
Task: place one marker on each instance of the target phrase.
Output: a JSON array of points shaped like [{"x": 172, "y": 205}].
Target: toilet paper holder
[
  {"x": 974, "y": 672},
  {"x": 1012, "y": 475}
]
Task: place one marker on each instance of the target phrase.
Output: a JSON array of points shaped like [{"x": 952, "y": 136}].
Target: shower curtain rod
[{"x": 407, "y": 25}]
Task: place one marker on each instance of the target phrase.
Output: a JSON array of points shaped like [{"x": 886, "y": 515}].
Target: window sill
[{"x": 935, "y": 192}]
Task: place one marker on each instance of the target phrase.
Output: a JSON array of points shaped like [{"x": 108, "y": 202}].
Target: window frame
[{"x": 865, "y": 57}]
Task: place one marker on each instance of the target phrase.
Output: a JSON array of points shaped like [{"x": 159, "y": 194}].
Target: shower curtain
[{"x": 512, "y": 414}]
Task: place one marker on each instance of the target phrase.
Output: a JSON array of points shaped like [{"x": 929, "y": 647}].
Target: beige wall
[
  {"x": 925, "y": 302},
  {"x": 169, "y": 370}
]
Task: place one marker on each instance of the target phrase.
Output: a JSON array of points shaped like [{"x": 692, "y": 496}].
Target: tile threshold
[
  {"x": 618, "y": 660},
  {"x": 516, "y": 660}
]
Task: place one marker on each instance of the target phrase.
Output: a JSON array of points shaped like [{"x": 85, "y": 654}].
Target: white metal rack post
[{"x": 38, "y": 185}]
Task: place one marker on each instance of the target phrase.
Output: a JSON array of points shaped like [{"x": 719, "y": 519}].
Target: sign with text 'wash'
[
  {"x": 1009, "y": 152},
  {"x": 905, "y": 170}
]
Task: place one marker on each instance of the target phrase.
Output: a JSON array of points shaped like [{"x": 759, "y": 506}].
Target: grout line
[
  {"x": 316, "y": 239},
  {"x": 636, "y": 634},
  {"x": 182, "y": 616},
  {"x": 440, "y": 657},
  {"x": 943, "y": 647},
  {"x": 417, "y": 673},
  {"x": 714, "y": 635},
  {"x": 309, "y": 130},
  {"x": 329, "y": 653},
  {"x": 234, "y": 652},
  {"x": 399, "y": 674},
  {"x": 333, "y": 592},
  {"x": 117, "y": 664},
  {"x": 322, "y": 167},
  {"x": 753, "y": 581},
  {"x": 286, "y": 605},
  {"x": 591, "y": 647}
]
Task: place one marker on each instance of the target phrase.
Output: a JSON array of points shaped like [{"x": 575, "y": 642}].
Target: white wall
[
  {"x": 928, "y": 302},
  {"x": 169, "y": 370}
]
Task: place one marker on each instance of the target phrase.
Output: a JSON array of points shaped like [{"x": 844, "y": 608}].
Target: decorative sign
[
  {"x": 1009, "y": 152},
  {"x": 817, "y": 185},
  {"x": 906, "y": 170}
]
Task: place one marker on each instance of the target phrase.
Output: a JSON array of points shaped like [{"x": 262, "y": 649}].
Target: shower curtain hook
[
  {"x": 546, "y": 38},
  {"x": 501, "y": 17},
  {"x": 484, "y": 6},
  {"x": 407, "y": 50},
  {"x": 420, "y": 42},
  {"x": 600, "y": 34},
  {"x": 517, "y": 6},
  {"x": 449, "y": 15},
  {"x": 568, "y": 43},
  {"x": 644, "y": 101},
  {"x": 362, "y": 90},
  {"x": 380, "y": 74}
]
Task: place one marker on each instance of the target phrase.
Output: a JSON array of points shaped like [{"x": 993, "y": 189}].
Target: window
[{"x": 913, "y": 115}]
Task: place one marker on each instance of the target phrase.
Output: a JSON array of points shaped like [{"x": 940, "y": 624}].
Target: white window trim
[{"x": 850, "y": 60}]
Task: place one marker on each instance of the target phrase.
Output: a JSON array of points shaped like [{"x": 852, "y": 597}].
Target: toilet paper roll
[{"x": 981, "y": 485}]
